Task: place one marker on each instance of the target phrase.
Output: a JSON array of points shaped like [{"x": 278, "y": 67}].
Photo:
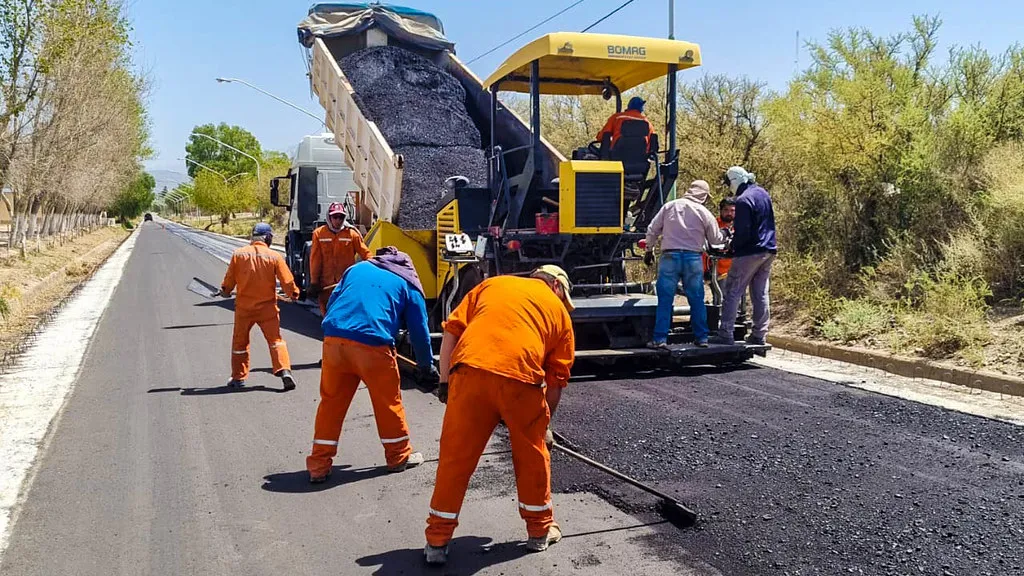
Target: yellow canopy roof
[{"x": 579, "y": 63}]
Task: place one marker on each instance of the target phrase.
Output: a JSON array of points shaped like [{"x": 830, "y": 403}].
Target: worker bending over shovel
[
  {"x": 335, "y": 247},
  {"x": 507, "y": 348},
  {"x": 364, "y": 314},
  {"x": 255, "y": 269}
]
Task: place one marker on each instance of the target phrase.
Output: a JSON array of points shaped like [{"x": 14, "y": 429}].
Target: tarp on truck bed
[{"x": 334, "y": 20}]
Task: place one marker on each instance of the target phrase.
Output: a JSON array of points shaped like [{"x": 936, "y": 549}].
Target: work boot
[
  {"x": 321, "y": 478},
  {"x": 233, "y": 383},
  {"x": 716, "y": 339},
  {"x": 701, "y": 343},
  {"x": 414, "y": 460},
  {"x": 754, "y": 340},
  {"x": 435, "y": 555},
  {"x": 654, "y": 345},
  {"x": 541, "y": 544},
  {"x": 287, "y": 380}
]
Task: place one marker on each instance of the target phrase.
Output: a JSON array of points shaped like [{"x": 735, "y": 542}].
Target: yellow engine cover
[{"x": 590, "y": 196}]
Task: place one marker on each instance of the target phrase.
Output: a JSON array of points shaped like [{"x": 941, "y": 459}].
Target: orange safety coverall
[
  {"x": 515, "y": 338},
  {"x": 614, "y": 125},
  {"x": 256, "y": 269},
  {"x": 723, "y": 263},
  {"x": 330, "y": 255},
  {"x": 346, "y": 363}
]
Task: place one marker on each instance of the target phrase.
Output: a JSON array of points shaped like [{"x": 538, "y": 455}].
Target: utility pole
[{"x": 671, "y": 19}]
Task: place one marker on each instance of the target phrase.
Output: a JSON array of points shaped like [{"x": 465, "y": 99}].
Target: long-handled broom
[{"x": 668, "y": 507}]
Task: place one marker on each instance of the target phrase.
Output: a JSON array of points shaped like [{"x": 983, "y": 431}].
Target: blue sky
[{"x": 183, "y": 45}]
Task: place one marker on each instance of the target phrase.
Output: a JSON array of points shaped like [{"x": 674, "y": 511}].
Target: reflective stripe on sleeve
[{"x": 445, "y": 515}]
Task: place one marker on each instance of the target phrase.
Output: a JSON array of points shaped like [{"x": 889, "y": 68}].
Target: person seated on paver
[
  {"x": 686, "y": 228},
  {"x": 634, "y": 112},
  {"x": 364, "y": 314},
  {"x": 508, "y": 349},
  {"x": 754, "y": 249},
  {"x": 256, "y": 269}
]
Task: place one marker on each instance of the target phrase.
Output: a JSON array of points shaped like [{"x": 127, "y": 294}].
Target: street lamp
[
  {"x": 279, "y": 99},
  {"x": 201, "y": 165},
  {"x": 230, "y": 147}
]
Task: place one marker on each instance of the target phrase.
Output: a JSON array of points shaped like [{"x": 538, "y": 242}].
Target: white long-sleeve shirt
[{"x": 684, "y": 224}]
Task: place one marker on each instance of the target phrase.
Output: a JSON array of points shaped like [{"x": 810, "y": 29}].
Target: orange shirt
[
  {"x": 514, "y": 327},
  {"x": 333, "y": 252},
  {"x": 723, "y": 263},
  {"x": 614, "y": 125},
  {"x": 256, "y": 269}
]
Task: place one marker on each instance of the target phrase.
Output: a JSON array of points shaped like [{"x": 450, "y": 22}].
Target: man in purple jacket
[{"x": 754, "y": 250}]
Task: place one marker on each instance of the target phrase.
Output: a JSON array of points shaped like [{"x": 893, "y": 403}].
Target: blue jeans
[{"x": 688, "y": 267}]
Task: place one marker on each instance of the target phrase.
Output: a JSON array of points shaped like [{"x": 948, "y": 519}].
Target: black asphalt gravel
[
  {"x": 421, "y": 111},
  {"x": 795, "y": 476}
]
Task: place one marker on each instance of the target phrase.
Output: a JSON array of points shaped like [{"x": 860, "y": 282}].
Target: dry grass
[{"x": 34, "y": 285}]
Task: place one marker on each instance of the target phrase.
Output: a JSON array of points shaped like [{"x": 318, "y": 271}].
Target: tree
[
  {"x": 218, "y": 157},
  {"x": 135, "y": 198}
]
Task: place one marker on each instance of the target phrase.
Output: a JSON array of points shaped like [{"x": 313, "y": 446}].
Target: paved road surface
[{"x": 155, "y": 469}]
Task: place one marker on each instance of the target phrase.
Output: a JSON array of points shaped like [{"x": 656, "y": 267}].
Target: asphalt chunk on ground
[
  {"x": 421, "y": 111},
  {"x": 792, "y": 475}
]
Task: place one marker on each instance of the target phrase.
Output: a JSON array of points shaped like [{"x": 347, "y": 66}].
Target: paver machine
[{"x": 588, "y": 214}]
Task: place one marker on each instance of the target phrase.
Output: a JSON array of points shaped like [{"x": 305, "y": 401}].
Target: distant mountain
[{"x": 168, "y": 178}]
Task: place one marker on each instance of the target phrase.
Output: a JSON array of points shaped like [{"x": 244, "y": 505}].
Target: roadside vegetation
[{"x": 896, "y": 174}]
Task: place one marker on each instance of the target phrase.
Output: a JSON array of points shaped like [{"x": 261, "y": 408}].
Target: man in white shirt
[{"x": 686, "y": 228}]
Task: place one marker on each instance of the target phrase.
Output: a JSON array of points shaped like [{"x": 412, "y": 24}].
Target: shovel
[{"x": 207, "y": 290}]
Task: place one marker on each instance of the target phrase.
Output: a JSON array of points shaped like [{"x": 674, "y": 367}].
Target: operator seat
[{"x": 633, "y": 149}]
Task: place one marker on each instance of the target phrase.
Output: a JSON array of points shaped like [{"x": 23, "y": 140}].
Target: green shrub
[
  {"x": 945, "y": 317},
  {"x": 799, "y": 289},
  {"x": 855, "y": 320}
]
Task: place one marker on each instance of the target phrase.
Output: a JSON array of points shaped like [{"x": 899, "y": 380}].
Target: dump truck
[{"x": 587, "y": 213}]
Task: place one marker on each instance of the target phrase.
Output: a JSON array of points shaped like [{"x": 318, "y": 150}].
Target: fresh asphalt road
[{"x": 154, "y": 468}]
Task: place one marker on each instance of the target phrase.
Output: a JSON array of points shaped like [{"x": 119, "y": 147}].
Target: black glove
[
  {"x": 649, "y": 258},
  {"x": 313, "y": 291},
  {"x": 442, "y": 392},
  {"x": 428, "y": 378}
]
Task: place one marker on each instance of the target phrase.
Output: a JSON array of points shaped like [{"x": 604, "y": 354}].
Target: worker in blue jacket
[
  {"x": 374, "y": 299},
  {"x": 754, "y": 249}
]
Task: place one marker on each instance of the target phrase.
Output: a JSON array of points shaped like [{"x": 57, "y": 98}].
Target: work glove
[
  {"x": 428, "y": 378},
  {"x": 313, "y": 290},
  {"x": 225, "y": 293},
  {"x": 649, "y": 258},
  {"x": 442, "y": 392},
  {"x": 549, "y": 438}
]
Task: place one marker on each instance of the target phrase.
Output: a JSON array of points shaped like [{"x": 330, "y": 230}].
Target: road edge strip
[{"x": 907, "y": 367}]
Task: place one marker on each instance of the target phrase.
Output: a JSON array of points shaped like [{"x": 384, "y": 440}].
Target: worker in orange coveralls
[
  {"x": 256, "y": 269},
  {"x": 365, "y": 313},
  {"x": 334, "y": 249},
  {"x": 634, "y": 111},
  {"x": 508, "y": 347}
]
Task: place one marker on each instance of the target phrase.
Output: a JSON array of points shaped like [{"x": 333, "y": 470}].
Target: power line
[
  {"x": 527, "y": 31},
  {"x": 608, "y": 15}
]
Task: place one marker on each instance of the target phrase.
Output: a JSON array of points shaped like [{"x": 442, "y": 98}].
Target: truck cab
[{"x": 318, "y": 177}]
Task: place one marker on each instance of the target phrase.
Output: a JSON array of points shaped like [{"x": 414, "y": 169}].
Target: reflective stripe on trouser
[
  {"x": 346, "y": 363},
  {"x": 270, "y": 324},
  {"x": 477, "y": 400}
]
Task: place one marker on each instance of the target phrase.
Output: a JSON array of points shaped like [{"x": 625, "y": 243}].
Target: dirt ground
[{"x": 32, "y": 286}]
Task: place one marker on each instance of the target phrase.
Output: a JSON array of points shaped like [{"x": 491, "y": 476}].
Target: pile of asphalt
[
  {"x": 421, "y": 111},
  {"x": 795, "y": 476}
]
